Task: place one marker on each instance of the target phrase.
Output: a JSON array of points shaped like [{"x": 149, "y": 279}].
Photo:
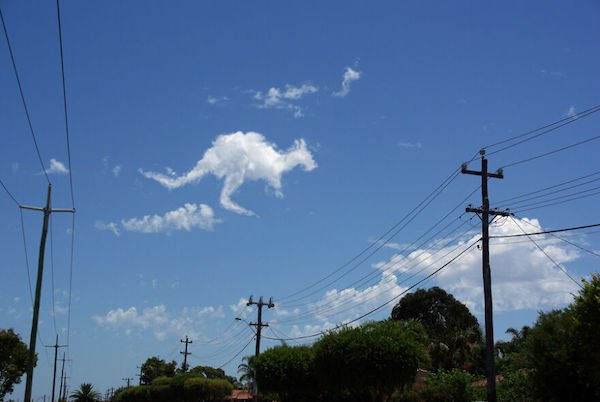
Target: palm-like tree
[
  {"x": 247, "y": 372},
  {"x": 85, "y": 393}
]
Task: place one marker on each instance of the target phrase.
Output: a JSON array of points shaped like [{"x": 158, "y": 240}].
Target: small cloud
[
  {"x": 185, "y": 218},
  {"x": 56, "y": 167},
  {"x": 349, "y": 76},
  {"x": 15, "y": 168},
  {"x": 410, "y": 145},
  {"x": 111, "y": 226},
  {"x": 571, "y": 112},
  {"x": 216, "y": 100},
  {"x": 116, "y": 171},
  {"x": 551, "y": 74},
  {"x": 277, "y": 98}
]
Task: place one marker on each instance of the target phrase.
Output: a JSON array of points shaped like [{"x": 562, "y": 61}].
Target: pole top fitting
[{"x": 482, "y": 151}]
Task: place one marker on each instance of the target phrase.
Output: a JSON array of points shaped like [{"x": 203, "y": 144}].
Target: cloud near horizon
[
  {"x": 56, "y": 167},
  {"x": 239, "y": 157}
]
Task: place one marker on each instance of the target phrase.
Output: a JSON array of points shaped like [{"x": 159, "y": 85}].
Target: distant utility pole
[
  {"x": 259, "y": 325},
  {"x": 186, "y": 353},
  {"x": 38, "y": 289},
  {"x": 484, "y": 213},
  {"x": 140, "y": 374},
  {"x": 128, "y": 380},
  {"x": 56, "y": 346},
  {"x": 62, "y": 390}
]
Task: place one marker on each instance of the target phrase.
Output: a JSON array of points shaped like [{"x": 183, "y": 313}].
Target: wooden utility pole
[
  {"x": 140, "y": 374},
  {"x": 259, "y": 325},
  {"x": 186, "y": 353},
  {"x": 128, "y": 380},
  {"x": 484, "y": 213},
  {"x": 63, "y": 383},
  {"x": 56, "y": 346},
  {"x": 38, "y": 290}
]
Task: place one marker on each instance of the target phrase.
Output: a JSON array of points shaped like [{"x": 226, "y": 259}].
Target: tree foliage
[
  {"x": 455, "y": 339},
  {"x": 181, "y": 388},
  {"x": 155, "y": 367},
  {"x": 13, "y": 361},
  {"x": 287, "y": 371},
  {"x": 85, "y": 393}
]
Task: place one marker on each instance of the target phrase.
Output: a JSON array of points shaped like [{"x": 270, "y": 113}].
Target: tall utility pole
[
  {"x": 186, "y": 353},
  {"x": 140, "y": 374},
  {"x": 484, "y": 212},
  {"x": 56, "y": 346},
  {"x": 62, "y": 390},
  {"x": 259, "y": 325},
  {"x": 128, "y": 380},
  {"x": 38, "y": 290}
]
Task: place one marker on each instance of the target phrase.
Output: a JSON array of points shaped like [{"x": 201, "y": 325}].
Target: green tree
[
  {"x": 455, "y": 339},
  {"x": 287, "y": 371},
  {"x": 155, "y": 367},
  {"x": 13, "y": 361},
  {"x": 369, "y": 362},
  {"x": 85, "y": 393},
  {"x": 246, "y": 371}
]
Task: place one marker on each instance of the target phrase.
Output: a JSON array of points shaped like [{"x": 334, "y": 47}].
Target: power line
[
  {"x": 237, "y": 354},
  {"x": 9, "y": 193},
  {"x": 546, "y": 231},
  {"x": 387, "y": 302},
  {"x": 16, "y": 71},
  {"x": 564, "y": 271},
  {"x": 565, "y": 240},
  {"x": 528, "y": 204},
  {"x": 545, "y": 130},
  {"x": 555, "y": 203},
  {"x": 551, "y": 152},
  {"x": 380, "y": 242}
]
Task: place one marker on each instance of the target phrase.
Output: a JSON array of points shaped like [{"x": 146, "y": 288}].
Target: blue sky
[{"x": 269, "y": 143}]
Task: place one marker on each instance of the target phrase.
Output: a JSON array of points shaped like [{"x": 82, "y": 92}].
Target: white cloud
[
  {"x": 239, "y": 157},
  {"x": 116, "y": 170},
  {"x": 349, "y": 76},
  {"x": 159, "y": 320},
  {"x": 571, "y": 112},
  {"x": 240, "y": 306},
  {"x": 522, "y": 276},
  {"x": 276, "y": 98},
  {"x": 56, "y": 167},
  {"x": 413, "y": 145},
  {"x": 111, "y": 226},
  {"x": 184, "y": 218},
  {"x": 215, "y": 100}
]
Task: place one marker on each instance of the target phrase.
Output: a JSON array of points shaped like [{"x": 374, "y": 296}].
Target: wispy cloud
[
  {"x": 111, "y": 226},
  {"x": 571, "y": 112},
  {"x": 159, "y": 320},
  {"x": 217, "y": 100},
  {"x": 56, "y": 167},
  {"x": 240, "y": 157},
  {"x": 350, "y": 75},
  {"x": 277, "y": 98},
  {"x": 116, "y": 170},
  {"x": 410, "y": 145},
  {"x": 188, "y": 217}
]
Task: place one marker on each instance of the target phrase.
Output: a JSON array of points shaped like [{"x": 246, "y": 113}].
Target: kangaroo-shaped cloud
[{"x": 238, "y": 157}]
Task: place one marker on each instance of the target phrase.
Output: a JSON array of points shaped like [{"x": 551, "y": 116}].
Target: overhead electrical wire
[
  {"x": 541, "y": 190},
  {"x": 553, "y": 234},
  {"x": 16, "y": 72},
  {"x": 530, "y": 135},
  {"x": 382, "y": 240},
  {"x": 372, "y": 311},
  {"x": 546, "y": 231},
  {"x": 564, "y": 148},
  {"x": 560, "y": 267},
  {"x": 237, "y": 354},
  {"x": 12, "y": 197},
  {"x": 392, "y": 281},
  {"x": 538, "y": 206}
]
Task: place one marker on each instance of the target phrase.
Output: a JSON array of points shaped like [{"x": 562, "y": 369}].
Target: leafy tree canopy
[
  {"x": 454, "y": 333},
  {"x": 13, "y": 361},
  {"x": 156, "y": 367}
]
